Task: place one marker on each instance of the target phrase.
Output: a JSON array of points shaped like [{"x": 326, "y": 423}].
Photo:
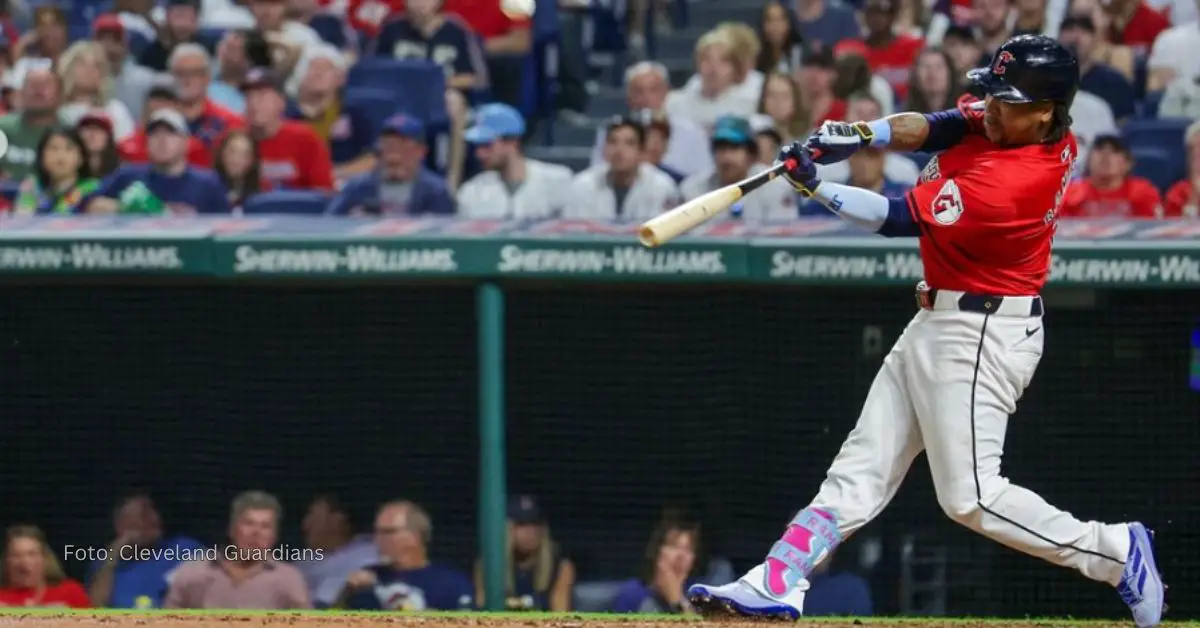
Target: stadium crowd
[
  {"x": 388, "y": 568},
  {"x": 386, "y": 108}
]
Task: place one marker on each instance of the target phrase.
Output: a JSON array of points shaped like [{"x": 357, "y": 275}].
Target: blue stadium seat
[
  {"x": 917, "y": 158},
  {"x": 137, "y": 42},
  {"x": 1164, "y": 134},
  {"x": 9, "y": 189},
  {"x": 419, "y": 87},
  {"x": 1149, "y": 106},
  {"x": 210, "y": 36},
  {"x": 378, "y": 103},
  {"x": 1154, "y": 163},
  {"x": 334, "y": 31},
  {"x": 295, "y": 202}
]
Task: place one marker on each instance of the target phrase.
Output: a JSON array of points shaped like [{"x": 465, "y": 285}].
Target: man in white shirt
[
  {"x": 624, "y": 187},
  {"x": 735, "y": 152},
  {"x": 511, "y": 186},
  {"x": 1091, "y": 117},
  {"x": 1174, "y": 55},
  {"x": 646, "y": 87}
]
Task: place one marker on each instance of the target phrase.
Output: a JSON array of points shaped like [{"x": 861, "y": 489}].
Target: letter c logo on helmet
[{"x": 1002, "y": 59}]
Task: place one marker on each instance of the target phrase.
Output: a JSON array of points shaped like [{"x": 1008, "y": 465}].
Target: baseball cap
[
  {"x": 404, "y": 125},
  {"x": 1115, "y": 142},
  {"x": 108, "y": 24},
  {"x": 819, "y": 56},
  {"x": 262, "y": 78},
  {"x": 95, "y": 116},
  {"x": 732, "y": 130},
  {"x": 524, "y": 509},
  {"x": 169, "y": 118},
  {"x": 495, "y": 121}
]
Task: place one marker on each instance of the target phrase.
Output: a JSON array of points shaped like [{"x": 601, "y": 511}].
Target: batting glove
[
  {"x": 837, "y": 140},
  {"x": 803, "y": 176}
]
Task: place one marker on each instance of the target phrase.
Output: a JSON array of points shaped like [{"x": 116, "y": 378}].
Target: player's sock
[{"x": 810, "y": 537}]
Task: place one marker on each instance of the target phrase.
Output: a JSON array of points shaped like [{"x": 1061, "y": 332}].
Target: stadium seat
[
  {"x": 295, "y": 202},
  {"x": 1155, "y": 164},
  {"x": 8, "y": 190},
  {"x": 1149, "y": 106},
  {"x": 418, "y": 87},
  {"x": 917, "y": 158},
  {"x": 378, "y": 103},
  {"x": 1164, "y": 134},
  {"x": 137, "y": 42},
  {"x": 334, "y": 31}
]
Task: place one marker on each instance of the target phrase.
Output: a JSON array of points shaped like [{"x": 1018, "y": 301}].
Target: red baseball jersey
[
  {"x": 987, "y": 213},
  {"x": 296, "y": 157},
  {"x": 1143, "y": 28},
  {"x": 1179, "y": 201},
  {"x": 1134, "y": 198},
  {"x": 894, "y": 61},
  {"x": 68, "y": 593}
]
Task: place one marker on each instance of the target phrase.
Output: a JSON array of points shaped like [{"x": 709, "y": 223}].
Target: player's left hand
[
  {"x": 836, "y": 141},
  {"x": 803, "y": 176}
]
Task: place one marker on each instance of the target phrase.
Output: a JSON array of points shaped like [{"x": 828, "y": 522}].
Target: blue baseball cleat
[
  {"x": 745, "y": 598},
  {"x": 1141, "y": 585}
]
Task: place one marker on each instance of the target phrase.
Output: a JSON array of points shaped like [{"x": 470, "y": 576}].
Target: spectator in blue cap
[
  {"x": 511, "y": 186},
  {"x": 735, "y": 152},
  {"x": 400, "y": 185}
]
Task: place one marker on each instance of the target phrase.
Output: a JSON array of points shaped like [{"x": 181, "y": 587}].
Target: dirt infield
[{"x": 217, "y": 620}]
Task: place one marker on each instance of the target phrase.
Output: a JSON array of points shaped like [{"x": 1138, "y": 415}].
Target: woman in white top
[
  {"x": 725, "y": 82},
  {"x": 88, "y": 84}
]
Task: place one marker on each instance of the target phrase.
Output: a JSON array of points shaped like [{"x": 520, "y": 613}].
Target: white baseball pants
[{"x": 948, "y": 387}]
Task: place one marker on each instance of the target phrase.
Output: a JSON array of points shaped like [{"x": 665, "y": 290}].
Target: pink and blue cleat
[{"x": 775, "y": 589}]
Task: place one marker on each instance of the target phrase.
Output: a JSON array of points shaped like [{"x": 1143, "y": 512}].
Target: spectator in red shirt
[
  {"x": 191, "y": 67},
  {"x": 888, "y": 54},
  {"x": 506, "y": 43},
  {"x": 1134, "y": 24},
  {"x": 292, "y": 154},
  {"x": 366, "y": 16},
  {"x": 133, "y": 148},
  {"x": 32, "y": 575},
  {"x": 1109, "y": 191},
  {"x": 1183, "y": 199}
]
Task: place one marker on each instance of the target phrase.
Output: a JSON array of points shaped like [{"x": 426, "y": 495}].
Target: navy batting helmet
[{"x": 1030, "y": 68}]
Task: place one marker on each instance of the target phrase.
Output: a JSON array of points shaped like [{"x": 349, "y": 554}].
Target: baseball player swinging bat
[
  {"x": 665, "y": 227},
  {"x": 983, "y": 216}
]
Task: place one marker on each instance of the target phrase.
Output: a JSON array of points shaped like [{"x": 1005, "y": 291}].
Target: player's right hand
[
  {"x": 836, "y": 141},
  {"x": 803, "y": 176}
]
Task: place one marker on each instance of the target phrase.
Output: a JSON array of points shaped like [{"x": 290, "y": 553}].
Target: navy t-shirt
[
  {"x": 432, "y": 587},
  {"x": 195, "y": 191},
  {"x": 452, "y": 46}
]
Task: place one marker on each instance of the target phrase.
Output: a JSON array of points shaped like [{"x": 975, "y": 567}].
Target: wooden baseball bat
[{"x": 665, "y": 227}]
